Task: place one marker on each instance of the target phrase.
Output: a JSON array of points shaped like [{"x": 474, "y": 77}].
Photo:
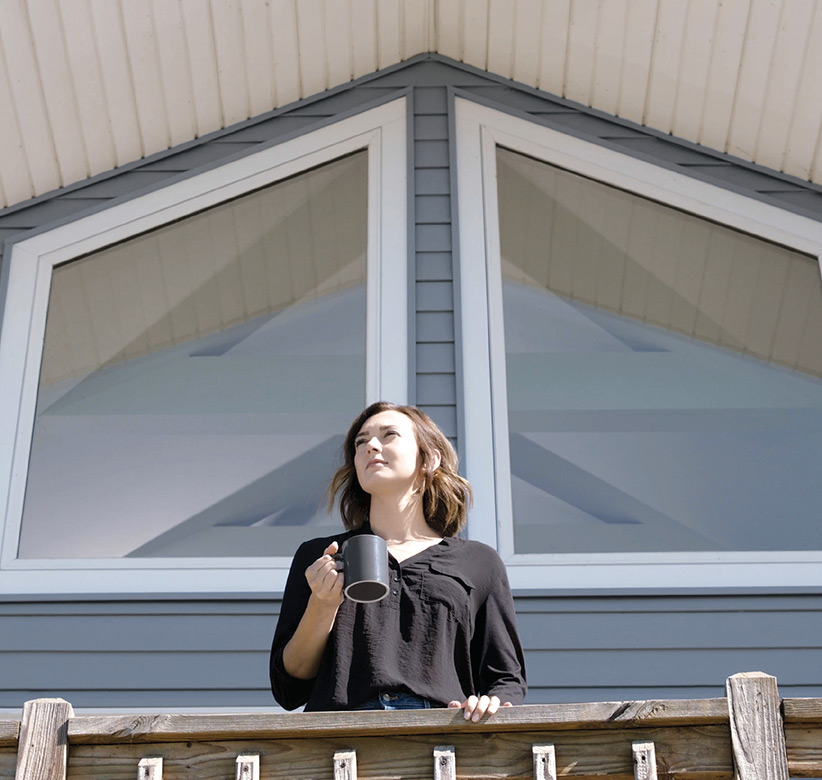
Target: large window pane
[
  {"x": 663, "y": 374},
  {"x": 197, "y": 380}
]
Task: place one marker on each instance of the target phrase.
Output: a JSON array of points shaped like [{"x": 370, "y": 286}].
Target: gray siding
[{"x": 214, "y": 653}]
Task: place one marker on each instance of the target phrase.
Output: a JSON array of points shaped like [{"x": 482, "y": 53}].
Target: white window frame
[
  {"x": 25, "y": 286},
  {"x": 479, "y": 130}
]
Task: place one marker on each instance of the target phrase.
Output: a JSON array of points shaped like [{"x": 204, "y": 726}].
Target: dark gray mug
[{"x": 365, "y": 567}]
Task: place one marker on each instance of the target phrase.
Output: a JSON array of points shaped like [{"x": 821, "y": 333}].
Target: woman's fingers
[
  {"x": 324, "y": 577},
  {"x": 475, "y": 707}
]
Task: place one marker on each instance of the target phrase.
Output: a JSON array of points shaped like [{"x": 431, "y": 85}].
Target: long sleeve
[
  {"x": 496, "y": 651},
  {"x": 289, "y": 691}
]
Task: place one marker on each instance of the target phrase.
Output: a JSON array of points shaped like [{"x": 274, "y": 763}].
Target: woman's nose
[{"x": 374, "y": 444}]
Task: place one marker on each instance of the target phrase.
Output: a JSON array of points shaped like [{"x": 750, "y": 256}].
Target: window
[
  {"x": 202, "y": 359},
  {"x": 654, "y": 364}
]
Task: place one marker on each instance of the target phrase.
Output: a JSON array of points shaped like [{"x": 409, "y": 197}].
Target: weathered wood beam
[
  {"x": 757, "y": 733},
  {"x": 802, "y": 710},
  {"x": 9, "y": 733},
  {"x": 43, "y": 744},
  {"x": 691, "y": 752},
  {"x": 598, "y": 715},
  {"x": 803, "y": 742}
]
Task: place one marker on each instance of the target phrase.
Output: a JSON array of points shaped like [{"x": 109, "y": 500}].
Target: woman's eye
[{"x": 358, "y": 442}]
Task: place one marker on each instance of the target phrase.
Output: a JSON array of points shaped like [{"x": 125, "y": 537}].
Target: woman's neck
[{"x": 400, "y": 521}]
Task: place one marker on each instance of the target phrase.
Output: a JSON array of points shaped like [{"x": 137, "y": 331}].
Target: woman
[{"x": 445, "y": 635}]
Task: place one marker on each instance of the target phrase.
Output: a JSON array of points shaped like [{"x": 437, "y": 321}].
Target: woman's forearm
[{"x": 302, "y": 654}]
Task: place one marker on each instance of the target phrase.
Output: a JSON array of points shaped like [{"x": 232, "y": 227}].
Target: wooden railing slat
[
  {"x": 42, "y": 750},
  {"x": 345, "y": 765},
  {"x": 757, "y": 733},
  {"x": 545, "y": 762},
  {"x": 445, "y": 763},
  {"x": 644, "y": 753},
  {"x": 150, "y": 768}
]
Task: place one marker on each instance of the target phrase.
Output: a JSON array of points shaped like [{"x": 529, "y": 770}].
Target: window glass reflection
[
  {"x": 196, "y": 381},
  {"x": 663, "y": 374}
]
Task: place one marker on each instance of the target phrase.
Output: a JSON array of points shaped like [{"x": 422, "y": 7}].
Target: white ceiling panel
[{"x": 87, "y": 85}]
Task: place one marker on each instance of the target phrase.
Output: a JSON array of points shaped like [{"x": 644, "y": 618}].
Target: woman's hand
[
  {"x": 325, "y": 579},
  {"x": 477, "y": 706},
  {"x": 302, "y": 654}
]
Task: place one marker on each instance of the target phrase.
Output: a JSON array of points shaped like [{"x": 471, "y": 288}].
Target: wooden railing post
[
  {"x": 42, "y": 752},
  {"x": 757, "y": 732}
]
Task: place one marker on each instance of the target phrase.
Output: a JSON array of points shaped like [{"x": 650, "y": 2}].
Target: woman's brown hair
[{"x": 446, "y": 496}]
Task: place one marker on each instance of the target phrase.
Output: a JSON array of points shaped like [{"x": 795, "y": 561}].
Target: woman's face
[{"x": 386, "y": 453}]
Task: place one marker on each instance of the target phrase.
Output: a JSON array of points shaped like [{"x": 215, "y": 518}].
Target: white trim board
[
  {"x": 27, "y": 277},
  {"x": 479, "y": 130}
]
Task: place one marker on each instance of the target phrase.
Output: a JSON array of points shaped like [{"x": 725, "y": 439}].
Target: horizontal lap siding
[
  {"x": 203, "y": 654},
  {"x": 199, "y": 653}
]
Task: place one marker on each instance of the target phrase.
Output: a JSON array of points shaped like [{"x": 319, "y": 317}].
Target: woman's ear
[{"x": 436, "y": 459}]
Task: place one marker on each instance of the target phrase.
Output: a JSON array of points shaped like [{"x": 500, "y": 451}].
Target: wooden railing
[{"x": 751, "y": 734}]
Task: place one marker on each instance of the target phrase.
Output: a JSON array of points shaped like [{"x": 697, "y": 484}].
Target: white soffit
[{"x": 89, "y": 85}]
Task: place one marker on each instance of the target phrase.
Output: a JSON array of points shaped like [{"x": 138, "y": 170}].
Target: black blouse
[{"x": 445, "y": 631}]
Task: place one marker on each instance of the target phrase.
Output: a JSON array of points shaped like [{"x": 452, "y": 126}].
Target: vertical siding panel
[
  {"x": 662, "y": 271},
  {"x": 608, "y": 54},
  {"x": 760, "y": 39},
  {"x": 737, "y": 315},
  {"x": 389, "y": 36},
  {"x": 810, "y": 346},
  {"x": 310, "y": 29},
  {"x": 588, "y": 260},
  {"x": 690, "y": 256},
  {"x": 417, "y": 20},
  {"x": 205, "y": 79},
  {"x": 27, "y": 95},
  {"x": 177, "y": 278},
  {"x": 475, "y": 35},
  {"x": 700, "y": 31},
  {"x": 259, "y": 57},
  {"x": 800, "y": 288},
  {"x": 783, "y": 79},
  {"x": 564, "y": 236},
  {"x": 640, "y": 247},
  {"x": 806, "y": 119},
  {"x": 15, "y": 177},
  {"x": 141, "y": 47},
  {"x": 338, "y": 42},
  {"x": 96, "y": 282},
  {"x": 715, "y": 283},
  {"x": 276, "y": 249},
  {"x": 364, "y": 45},
  {"x": 527, "y": 37},
  {"x": 153, "y": 293},
  {"x": 665, "y": 65},
  {"x": 612, "y": 269},
  {"x": 200, "y": 259},
  {"x": 450, "y": 29},
  {"x": 721, "y": 83},
  {"x": 285, "y": 46},
  {"x": 500, "y": 37},
  {"x": 129, "y": 305},
  {"x": 773, "y": 272},
  {"x": 248, "y": 223},
  {"x": 175, "y": 71},
  {"x": 83, "y": 62},
  {"x": 635, "y": 77},
  {"x": 582, "y": 35},
  {"x": 229, "y": 48},
  {"x": 554, "y": 35},
  {"x": 58, "y": 88},
  {"x": 222, "y": 232}
]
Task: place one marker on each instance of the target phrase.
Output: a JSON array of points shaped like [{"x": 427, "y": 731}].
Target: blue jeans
[{"x": 395, "y": 700}]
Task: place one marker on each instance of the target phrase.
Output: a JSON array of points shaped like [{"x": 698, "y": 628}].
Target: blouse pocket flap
[{"x": 447, "y": 571}]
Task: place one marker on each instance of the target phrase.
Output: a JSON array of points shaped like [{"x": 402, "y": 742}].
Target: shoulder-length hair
[{"x": 446, "y": 496}]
